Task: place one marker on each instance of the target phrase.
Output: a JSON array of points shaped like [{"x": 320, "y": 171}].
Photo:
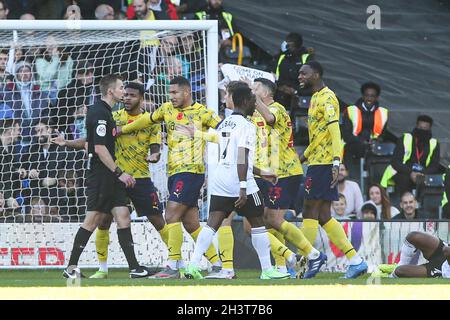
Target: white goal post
[
  {"x": 209, "y": 26},
  {"x": 44, "y": 244}
]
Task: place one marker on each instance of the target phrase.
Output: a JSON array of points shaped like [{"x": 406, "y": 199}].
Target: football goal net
[{"x": 49, "y": 75}]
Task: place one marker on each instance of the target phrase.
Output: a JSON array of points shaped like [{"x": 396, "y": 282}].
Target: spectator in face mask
[
  {"x": 287, "y": 65},
  {"x": 416, "y": 154}
]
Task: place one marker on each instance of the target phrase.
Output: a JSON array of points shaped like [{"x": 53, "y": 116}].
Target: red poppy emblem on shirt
[
  {"x": 130, "y": 121},
  {"x": 180, "y": 116},
  {"x": 260, "y": 123}
]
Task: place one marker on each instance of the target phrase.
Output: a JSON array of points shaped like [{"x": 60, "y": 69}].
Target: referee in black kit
[{"x": 106, "y": 182}]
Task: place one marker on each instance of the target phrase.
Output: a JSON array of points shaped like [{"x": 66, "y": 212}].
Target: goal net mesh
[{"x": 47, "y": 81}]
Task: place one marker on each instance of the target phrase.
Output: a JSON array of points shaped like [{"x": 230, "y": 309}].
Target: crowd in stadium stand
[{"x": 48, "y": 90}]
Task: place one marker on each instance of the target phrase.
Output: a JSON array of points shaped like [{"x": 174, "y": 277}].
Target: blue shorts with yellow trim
[
  {"x": 185, "y": 188},
  {"x": 318, "y": 182}
]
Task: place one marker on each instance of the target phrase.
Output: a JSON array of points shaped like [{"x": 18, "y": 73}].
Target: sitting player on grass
[{"x": 436, "y": 251}]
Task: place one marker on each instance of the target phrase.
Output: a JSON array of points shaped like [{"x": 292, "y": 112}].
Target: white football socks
[
  {"x": 103, "y": 267},
  {"x": 355, "y": 260},
  {"x": 261, "y": 243},
  {"x": 204, "y": 240},
  {"x": 314, "y": 254},
  {"x": 180, "y": 264},
  {"x": 407, "y": 253},
  {"x": 282, "y": 269},
  {"x": 172, "y": 264}
]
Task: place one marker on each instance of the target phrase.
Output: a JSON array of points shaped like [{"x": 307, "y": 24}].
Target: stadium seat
[
  {"x": 431, "y": 195},
  {"x": 300, "y": 125},
  {"x": 378, "y": 159}
]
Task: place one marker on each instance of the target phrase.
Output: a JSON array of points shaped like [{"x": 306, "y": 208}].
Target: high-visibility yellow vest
[
  {"x": 228, "y": 17},
  {"x": 444, "y": 197},
  {"x": 380, "y": 119},
  {"x": 390, "y": 172},
  {"x": 304, "y": 57}
]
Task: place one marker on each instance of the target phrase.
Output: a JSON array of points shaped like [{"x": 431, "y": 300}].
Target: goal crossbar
[{"x": 210, "y": 26}]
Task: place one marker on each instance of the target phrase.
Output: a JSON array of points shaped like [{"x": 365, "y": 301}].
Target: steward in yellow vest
[
  {"x": 286, "y": 67},
  {"x": 288, "y": 63},
  {"x": 415, "y": 155},
  {"x": 215, "y": 11}
]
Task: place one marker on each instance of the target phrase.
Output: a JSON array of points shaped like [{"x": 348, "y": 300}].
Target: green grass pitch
[{"x": 119, "y": 277}]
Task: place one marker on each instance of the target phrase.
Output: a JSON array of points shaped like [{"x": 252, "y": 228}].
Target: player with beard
[
  {"x": 132, "y": 153},
  {"x": 233, "y": 186},
  {"x": 106, "y": 181},
  {"x": 323, "y": 157},
  {"x": 186, "y": 169}
]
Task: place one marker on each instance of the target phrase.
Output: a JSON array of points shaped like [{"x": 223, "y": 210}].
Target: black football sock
[
  {"x": 81, "y": 239},
  {"x": 127, "y": 245}
]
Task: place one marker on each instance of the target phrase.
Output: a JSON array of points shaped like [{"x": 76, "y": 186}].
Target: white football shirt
[
  {"x": 445, "y": 270},
  {"x": 234, "y": 132}
]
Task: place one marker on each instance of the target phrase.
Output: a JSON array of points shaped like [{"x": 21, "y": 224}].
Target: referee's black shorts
[
  {"x": 104, "y": 190},
  {"x": 254, "y": 207}
]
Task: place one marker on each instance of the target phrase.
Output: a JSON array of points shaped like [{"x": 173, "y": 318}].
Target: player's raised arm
[
  {"x": 156, "y": 116},
  {"x": 264, "y": 91}
]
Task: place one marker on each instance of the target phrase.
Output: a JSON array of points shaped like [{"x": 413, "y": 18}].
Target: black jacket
[
  {"x": 289, "y": 68},
  {"x": 10, "y": 162},
  {"x": 399, "y": 151},
  {"x": 419, "y": 215},
  {"x": 367, "y": 124},
  {"x": 75, "y": 95}
]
